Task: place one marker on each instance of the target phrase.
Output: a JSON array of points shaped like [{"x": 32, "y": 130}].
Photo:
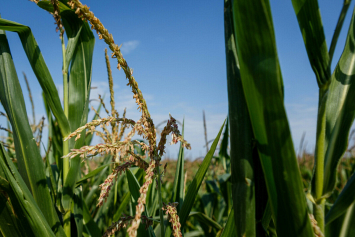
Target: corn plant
[
  {"x": 260, "y": 134},
  {"x": 61, "y": 195}
]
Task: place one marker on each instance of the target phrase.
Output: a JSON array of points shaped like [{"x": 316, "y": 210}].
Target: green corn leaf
[
  {"x": 338, "y": 28},
  {"x": 333, "y": 228},
  {"x": 343, "y": 202},
  {"x": 77, "y": 210},
  {"x": 91, "y": 174},
  {"x": 90, "y": 226},
  {"x": 9, "y": 223},
  {"x": 196, "y": 182},
  {"x": 152, "y": 200},
  {"x": 340, "y": 110},
  {"x": 135, "y": 194},
  {"x": 203, "y": 218},
  {"x": 241, "y": 136},
  {"x": 123, "y": 206},
  {"x": 195, "y": 233},
  {"x": 266, "y": 217},
  {"x": 21, "y": 197},
  {"x": 40, "y": 69},
  {"x": 88, "y": 138},
  {"x": 223, "y": 151},
  {"x": 229, "y": 229},
  {"x": 348, "y": 227},
  {"x": 263, "y": 88},
  {"x": 310, "y": 23},
  {"x": 98, "y": 180},
  {"x": 226, "y": 189},
  {"x": 27, "y": 153}
]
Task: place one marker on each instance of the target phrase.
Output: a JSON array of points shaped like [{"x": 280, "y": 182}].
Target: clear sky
[{"x": 177, "y": 51}]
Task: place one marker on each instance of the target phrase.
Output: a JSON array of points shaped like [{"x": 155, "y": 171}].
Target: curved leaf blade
[
  {"x": 40, "y": 69},
  {"x": 229, "y": 229},
  {"x": 201, "y": 217},
  {"x": 343, "y": 202},
  {"x": 29, "y": 211},
  {"x": 91, "y": 174},
  {"x": 340, "y": 110},
  {"x": 241, "y": 136},
  {"x": 134, "y": 189},
  {"x": 196, "y": 182},
  {"x": 311, "y": 26},
  {"x": 29, "y": 159},
  {"x": 263, "y": 88}
]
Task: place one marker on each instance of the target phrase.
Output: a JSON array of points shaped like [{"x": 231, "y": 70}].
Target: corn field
[{"x": 250, "y": 183}]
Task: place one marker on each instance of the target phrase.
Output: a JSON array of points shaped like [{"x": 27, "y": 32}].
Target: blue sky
[{"x": 177, "y": 52}]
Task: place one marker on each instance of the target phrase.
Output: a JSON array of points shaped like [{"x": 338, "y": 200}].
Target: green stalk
[
  {"x": 67, "y": 228},
  {"x": 319, "y": 159},
  {"x": 66, "y": 112},
  {"x": 161, "y": 213}
]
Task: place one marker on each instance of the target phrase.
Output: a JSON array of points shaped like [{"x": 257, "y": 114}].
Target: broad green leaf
[
  {"x": 27, "y": 153},
  {"x": 333, "y": 228},
  {"x": 152, "y": 200},
  {"x": 91, "y": 174},
  {"x": 77, "y": 210},
  {"x": 80, "y": 71},
  {"x": 348, "y": 227},
  {"x": 135, "y": 194},
  {"x": 311, "y": 26},
  {"x": 10, "y": 225},
  {"x": 194, "y": 233},
  {"x": 266, "y": 217},
  {"x": 226, "y": 189},
  {"x": 90, "y": 197},
  {"x": 123, "y": 206},
  {"x": 24, "y": 203},
  {"x": 88, "y": 138},
  {"x": 229, "y": 229},
  {"x": 40, "y": 69},
  {"x": 343, "y": 202},
  {"x": 338, "y": 28},
  {"x": 196, "y": 182},
  {"x": 223, "y": 150},
  {"x": 263, "y": 88},
  {"x": 208, "y": 202},
  {"x": 241, "y": 136},
  {"x": 340, "y": 110},
  {"x": 202, "y": 218},
  {"x": 90, "y": 227}
]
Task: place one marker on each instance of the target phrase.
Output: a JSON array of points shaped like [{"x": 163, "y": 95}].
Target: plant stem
[
  {"x": 67, "y": 228},
  {"x": 318, "y": 213},
  {"x": 319, "y": 159},
  {"x": 161, "y": 213}
]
